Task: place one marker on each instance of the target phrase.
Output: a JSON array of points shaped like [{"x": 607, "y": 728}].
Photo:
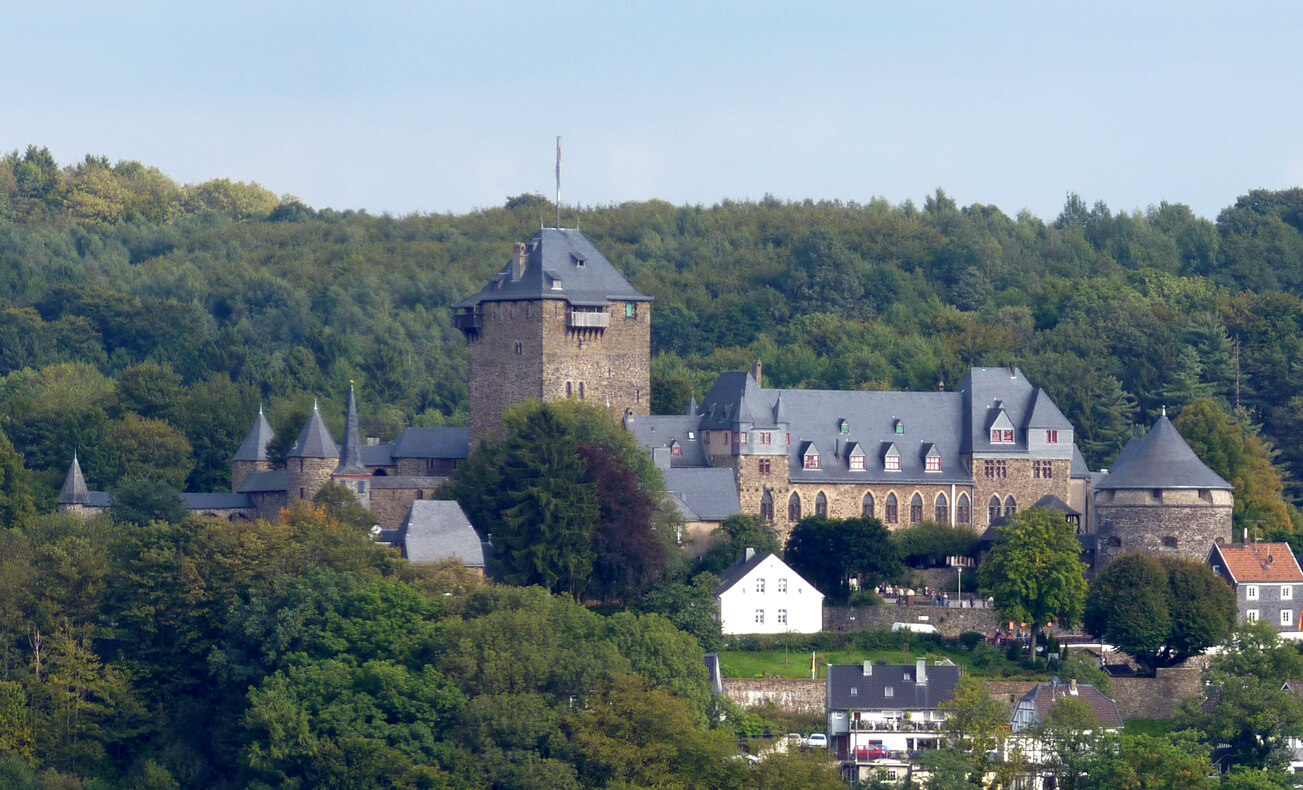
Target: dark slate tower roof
[
  {"x": 559, "y": 264},
  {"x": 315, "y": 440},
  {"x": 74, "y": 486},
  {"x": 1161, "y": 459},
  {"x": 256, "y": 441},
  {"x": 351, "y": 461}
]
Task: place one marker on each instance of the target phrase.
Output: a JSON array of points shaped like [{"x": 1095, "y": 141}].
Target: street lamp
[{"x": 960, "y": 594}]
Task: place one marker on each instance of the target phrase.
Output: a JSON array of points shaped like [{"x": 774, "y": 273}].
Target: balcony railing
[
  {"x": 589, "y": 320},
  {"x": 892, "y": 725}
]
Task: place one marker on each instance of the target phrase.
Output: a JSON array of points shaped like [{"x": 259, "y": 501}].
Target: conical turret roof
[
  {"x": 74, "y": 490},
  {"x": 1161, "y": 459},
  {"x": 314, "y": 440},
  {"x": 350, "y": 462},
  {"x": 255, "y": 443}
]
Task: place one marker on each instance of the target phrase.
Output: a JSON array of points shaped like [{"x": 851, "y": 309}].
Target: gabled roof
[
  {"x": 314, "y": 440},
  {"x": 560, "y": 264},
  {"x": 1257, "y": 563},
  {"x": 1051, "y": 502},
  {"x": 1161, "y": 459},
  {"x": 350, "y": 461},
  {"x": 850, "y": 689},
  {"x": 437, "y": 530},
  {"x": 451, "y": 443},
  {"x": 254, "y": 447},
  {"x": 1045, "y": 414},
  {"x": 987, "y": 390},
  {"x": 216, "y": 501},
  {"x": 1043, "y": 696},
  {"x": 660, "y": 431},
  {"x": 378, "y": 454},
  {"x": 74, "y": 490},
  {"x": 709, "y": 494},
  {"x": 265, "y": 482},
  {"x": 738, "y": 570}
]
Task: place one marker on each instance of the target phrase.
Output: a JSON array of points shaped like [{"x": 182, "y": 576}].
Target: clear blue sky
[{"x": 431, "y": 107}]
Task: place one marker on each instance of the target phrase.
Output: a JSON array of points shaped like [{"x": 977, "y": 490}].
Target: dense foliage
[{"x": 227, "y": 295}]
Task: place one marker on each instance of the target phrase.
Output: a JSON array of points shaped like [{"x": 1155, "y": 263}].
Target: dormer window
[
  {"x": 900, "y": 427},
  {"x": 843, "y": 426},
  {"x": 675, "y": 449},
  {"x": 1001, "y": 436},
  {"x": 857, "y": 463},
  {"x": 577, "y": 259},
  {"x": 1051, "y": 437},
  {"x": 812, "y": 461},
  {"x": 933, "y": 463},
  {"x": 891, "y": 463}
]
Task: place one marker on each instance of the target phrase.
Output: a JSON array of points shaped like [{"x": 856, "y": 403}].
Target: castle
[{"x": 560, "y": 321}]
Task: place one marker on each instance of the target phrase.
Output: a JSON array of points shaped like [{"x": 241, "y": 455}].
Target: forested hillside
[{"x": 137, "y": 314}]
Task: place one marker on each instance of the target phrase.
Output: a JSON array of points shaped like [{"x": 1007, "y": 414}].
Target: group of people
[{"x": 907, "y": 596}]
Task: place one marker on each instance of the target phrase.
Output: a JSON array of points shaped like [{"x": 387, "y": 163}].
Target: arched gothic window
[
  {"x": 891, "y": 516},
  {"x": 794, "y": 507},
  {"x": 964, "y": 510},
  {"x": 821, "y": 505},
  {"x": 916, "y": 509},
  {"x": 867, "y": 509},
  {"x": 942, "y": 509}
]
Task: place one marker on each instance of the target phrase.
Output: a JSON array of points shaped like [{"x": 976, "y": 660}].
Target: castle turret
[
  {"x": 74, "y": 497},
  {"x": 559, "y": 321},
  {"x": 352, "y": 473},
  {"x": 312, "y": 460},
  {"x": 1161, "y": 499},
  {"x": 252, "y": 455}
]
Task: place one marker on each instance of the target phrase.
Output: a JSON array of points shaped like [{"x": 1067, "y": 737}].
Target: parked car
[{"x": 817, "y": 741}]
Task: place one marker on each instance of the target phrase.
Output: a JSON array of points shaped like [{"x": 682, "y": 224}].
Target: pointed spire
[
  {"x": 314, "y": 440},
  {"x": 692, "y": 406},
  {"x": 74, "y": 486},
  {"x": 779, "y": 414},
  {"x": 1164, "y": 410},
  {"x": 256, "y": 440},
  {"x": 351, "y": 461}
]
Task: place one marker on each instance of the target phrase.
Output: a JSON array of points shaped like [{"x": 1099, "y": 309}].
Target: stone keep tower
[
  {"x": 252, "y": 455},
  {"x": 1161, "y": 499},
  {"x": 558, "y": 322},
  {"x": 311, "y": 461}
]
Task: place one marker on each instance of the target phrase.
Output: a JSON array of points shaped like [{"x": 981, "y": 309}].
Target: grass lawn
[
  {"x": 769, "y": 663},
  {"x": 1147, "y": 726}
]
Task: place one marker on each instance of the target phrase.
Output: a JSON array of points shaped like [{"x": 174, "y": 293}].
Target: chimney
[
  {"x": 518, "y": 262},
  {"x": 868, "y": 668},
  {"x": 1072, "y": 686},
  {"x": 1013, "y": 370},
  {"x": 920, "y": 672},
  {"x": 750, "y": 552},
  {"x": 755, "y": 374}
]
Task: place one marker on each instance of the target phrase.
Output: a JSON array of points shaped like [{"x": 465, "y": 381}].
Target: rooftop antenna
[{"x": 558, "y": 182}]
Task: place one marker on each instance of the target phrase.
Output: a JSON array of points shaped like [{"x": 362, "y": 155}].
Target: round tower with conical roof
[
  {"x": 1161, "y": 499},
  {"x": 312, "y": 460},
  {"x": 252, "y": 455},
  {"x": 74, "y": 497}
]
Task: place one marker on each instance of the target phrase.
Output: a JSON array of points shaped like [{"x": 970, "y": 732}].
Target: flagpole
[{"x": 558, "y": 181}]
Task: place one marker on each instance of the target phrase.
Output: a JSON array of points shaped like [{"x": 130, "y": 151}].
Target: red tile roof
[{"x": 1260, "y": 562}]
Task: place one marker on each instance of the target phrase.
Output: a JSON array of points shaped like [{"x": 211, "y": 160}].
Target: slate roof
[
  {"x": 850, "y": 689},
  {"x": 433, "y": 443},
  {"x": 217, "y": 501},
  {"x": 1258, "y": 562},
  {"x": 735, "y": 572},
  {"x": 560, "y": 264},
  {"x": 989, "y": 390},
  {"x": 709, "y": 494},
  {"x": 100, "y": 499},
  {"x": 1161, "y": 459},
  {"x": 659, "y": 431},
  {"x": 314, "y": 440},
  {"x": 263, "y": 482},
  {"x": 378, "y": 454},
  {"x": 1044, "y": 695},
  {"x": 254, "y": 447},
  {"x": 436, "y": 530},
  {"x": 74, "y": 486},
  {"x": 1051, "y": 502},
  {"x": 350, "y": 460},
  {"x": 1080, "y": 469},
  {"x": 930, "y": 420}
]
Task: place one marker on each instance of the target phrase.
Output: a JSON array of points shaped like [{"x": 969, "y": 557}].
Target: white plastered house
[{"x": 760, "y": 594}]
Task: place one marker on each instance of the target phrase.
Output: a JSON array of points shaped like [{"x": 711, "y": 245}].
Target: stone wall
[
  {"x": 1156, "y": 697},
  {"x": 791, "y": 695},
  {"x": 307, "y": 476},
  {"x": 424, "y": 467},
  {"x": 1019, "y": 482},
  {"x": 242, "y": 469},
  {"x": 610, "y": 367},
  {"x": 506, "y": 362},
  {"x": 1137, "y": 520},
  {"x": 950, "y": 622},
  {"x": 390, "y": 506}
]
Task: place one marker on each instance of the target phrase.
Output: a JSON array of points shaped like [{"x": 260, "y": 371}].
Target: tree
[
  {"x": 975, "y": 721},
  {"x": 342, "y": 505},
  {"x": 1035, "y": 572},
  {"x": 691, "y": 607},
  {"x": 828, "y": 552},
  {"x": 16, "y": 502},
  {"x": 152, "y": 448},
  {"x": 140, "y": 500},
  {"x": 737, "y": 534},
  {"x": 932, "y": 543}
]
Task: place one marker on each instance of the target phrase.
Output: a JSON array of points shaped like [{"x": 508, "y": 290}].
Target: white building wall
[{"x": 770, "y": 591}]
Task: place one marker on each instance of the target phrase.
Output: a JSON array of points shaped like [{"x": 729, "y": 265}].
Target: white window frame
[
  {"x": 782, "y": 617},
  {"x": 1287, "y": 617},
  {"x": 932, "y": 464},
  {"x": 1251, "y": 592},
  {"x": 891, "y": 463},
  {"x": 857, "y": 463},
  {"x": 782, "y": 585},
  {"x": 1251, "y": 615},
  {"x": 760, "y": 584},
  {"x": 1287, "y": 592},
  {"x": 760, "y": 616}
]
